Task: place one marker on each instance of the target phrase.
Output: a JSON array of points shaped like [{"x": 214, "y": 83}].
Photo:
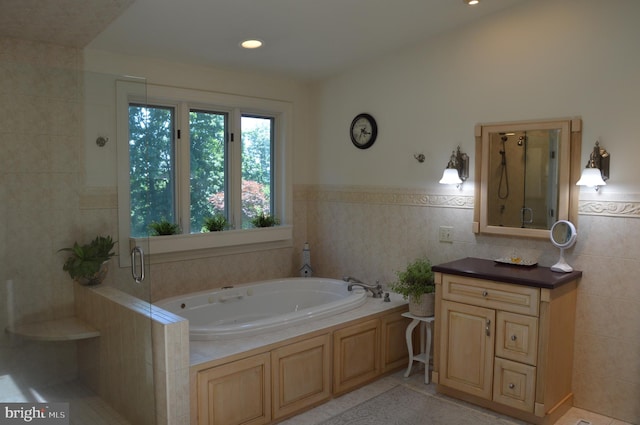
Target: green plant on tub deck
[
  {"x": 163, "y": 228},
  {"x": 87, "y": 263},
  {"x": 215, "y": 223},
  {"x": 264, "y": 220},
  {"x": 416, "y": 284}
]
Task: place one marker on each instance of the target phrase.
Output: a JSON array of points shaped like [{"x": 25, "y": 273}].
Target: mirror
[
  {"x": 563, "y": 235},
  {"x": 523, "y": 175}
]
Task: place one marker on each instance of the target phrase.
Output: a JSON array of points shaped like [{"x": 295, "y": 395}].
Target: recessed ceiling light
[
  {"x": 251, "y": 44},
  {"x": 471, "y": 2}
]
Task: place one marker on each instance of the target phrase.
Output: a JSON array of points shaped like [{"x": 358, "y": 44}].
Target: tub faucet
[{"x": 376, "y": 290}]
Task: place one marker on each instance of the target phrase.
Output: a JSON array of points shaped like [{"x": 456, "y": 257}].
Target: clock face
[{"x": 364, "y": 131}]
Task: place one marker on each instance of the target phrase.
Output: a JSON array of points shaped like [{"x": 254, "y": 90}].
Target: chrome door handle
[
  {"x": 524, "y": 212},
  {"x": 487, "y": 328},
  {"x": 139, "y": 253}
]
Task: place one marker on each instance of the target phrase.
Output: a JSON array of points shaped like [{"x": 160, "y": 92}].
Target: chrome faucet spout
[
  {"x": 351, "y": 279},
  {"x": 376, "y": 290}
]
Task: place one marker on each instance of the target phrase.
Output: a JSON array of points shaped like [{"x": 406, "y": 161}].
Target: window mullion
[
  {"x": 183, "y": 168},
  {"x": 234, "y": 169}
]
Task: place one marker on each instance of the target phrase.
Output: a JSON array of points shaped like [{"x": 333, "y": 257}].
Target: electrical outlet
[{"x": 446, "y": 234}]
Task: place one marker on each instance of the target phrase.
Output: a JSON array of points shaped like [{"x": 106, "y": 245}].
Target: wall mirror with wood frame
[{"x": 525, "y": 176}]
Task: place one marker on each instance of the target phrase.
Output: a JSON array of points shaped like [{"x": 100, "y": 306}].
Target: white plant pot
[{"x": 424, "y": 306}]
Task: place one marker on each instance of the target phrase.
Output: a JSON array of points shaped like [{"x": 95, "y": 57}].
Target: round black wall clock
[{"x": 364, "y": 131}]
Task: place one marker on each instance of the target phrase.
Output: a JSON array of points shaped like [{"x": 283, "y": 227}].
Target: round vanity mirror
[{"x": 563, "y": 235}]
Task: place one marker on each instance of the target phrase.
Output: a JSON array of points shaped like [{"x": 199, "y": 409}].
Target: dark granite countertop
[{"x": 536, "y": 276}]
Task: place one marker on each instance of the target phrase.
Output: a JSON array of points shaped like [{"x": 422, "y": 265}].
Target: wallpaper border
[{"x": 394, "y": 196}]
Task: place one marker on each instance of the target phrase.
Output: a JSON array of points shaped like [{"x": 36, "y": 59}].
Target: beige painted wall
[{"x": 538, "y": 59}]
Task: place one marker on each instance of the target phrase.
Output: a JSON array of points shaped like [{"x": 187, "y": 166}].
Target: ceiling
[{"x": 303, "y": 39}]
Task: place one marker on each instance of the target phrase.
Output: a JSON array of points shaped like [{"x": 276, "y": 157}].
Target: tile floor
[
  {"x": 416, "y": 381},
  {"x": 87, "y": 408}
]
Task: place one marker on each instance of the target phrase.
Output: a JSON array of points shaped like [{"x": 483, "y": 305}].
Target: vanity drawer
[
  {"x": 517, "y": 337},
  {"x": 490, "y": 294},
  {"x": 514, "y": 384}
]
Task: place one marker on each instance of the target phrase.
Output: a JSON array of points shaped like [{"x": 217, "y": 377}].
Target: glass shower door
[{"x": 75, "y": 354}]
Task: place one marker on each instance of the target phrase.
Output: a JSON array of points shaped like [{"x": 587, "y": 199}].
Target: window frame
[{"x": 200, "y": 245}]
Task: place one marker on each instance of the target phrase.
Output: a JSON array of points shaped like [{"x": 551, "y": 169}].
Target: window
[
  {"x": 257, "y": 145},
  {"x": 152, "y": 166},
  {"x": 208, "y": 159},
  {"x": 193, "y": 154}
]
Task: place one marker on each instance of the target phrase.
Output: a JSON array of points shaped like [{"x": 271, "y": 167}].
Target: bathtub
[{"x": 252, "y": 308}]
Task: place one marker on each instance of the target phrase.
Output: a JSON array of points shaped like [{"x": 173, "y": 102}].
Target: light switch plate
[{"x": 446, "y": 234}]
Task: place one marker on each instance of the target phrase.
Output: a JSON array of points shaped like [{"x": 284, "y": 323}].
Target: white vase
[{"x": 423, "y": 306}]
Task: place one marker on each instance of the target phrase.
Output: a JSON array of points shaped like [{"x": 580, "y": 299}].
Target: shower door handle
[
  {"x": 523, "y": 214},
  {"x": 137, "y": 252}
]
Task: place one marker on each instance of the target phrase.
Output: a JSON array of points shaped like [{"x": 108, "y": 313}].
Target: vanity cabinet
[{"x": 504, "y": 337}]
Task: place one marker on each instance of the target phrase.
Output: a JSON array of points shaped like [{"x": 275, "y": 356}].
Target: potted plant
[
  {"x": 163, "y": 227},
  {"x": 264, "y": 220},
  {"x": 88, "y": 263},
  {"x": 215, "y": 223},
  {"x": 416, "y": 284}
]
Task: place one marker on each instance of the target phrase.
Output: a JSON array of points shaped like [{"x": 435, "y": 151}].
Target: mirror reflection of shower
[
  {"x": 524, "y": 165},
  {"x": 503, "y": 184}
]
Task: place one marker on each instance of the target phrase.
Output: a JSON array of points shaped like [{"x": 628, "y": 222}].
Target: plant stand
[{"x": 425, "y": 346}]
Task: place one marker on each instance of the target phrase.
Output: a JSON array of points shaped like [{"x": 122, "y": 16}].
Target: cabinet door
[
  {"x": 356, "y": 355},
  {"x": 236, "y": 393},
  {"x": 300, "y": 375},
  {"x": 466, "y": 348},
  {"x": 394, "y": 343}
]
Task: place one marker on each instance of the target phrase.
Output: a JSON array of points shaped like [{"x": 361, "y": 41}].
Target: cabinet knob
[
  {"x": 513, "y": 337},
  {"x": 512, "y": 386},
  {"x": 485, "y": 293}
]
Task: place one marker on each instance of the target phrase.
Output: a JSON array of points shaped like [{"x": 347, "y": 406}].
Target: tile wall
[
  {"x": 40, "y": 171},
  {"x": 140, "y": 363}
]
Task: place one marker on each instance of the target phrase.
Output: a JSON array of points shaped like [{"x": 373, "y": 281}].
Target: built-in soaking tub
[{"x": 252, "y": 308}]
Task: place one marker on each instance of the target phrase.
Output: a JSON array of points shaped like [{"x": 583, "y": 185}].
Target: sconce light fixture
[
  {"x": 597, "y": 170},
  {"x": 471, "y": 2},
  {"x": 457, "y": 170}
]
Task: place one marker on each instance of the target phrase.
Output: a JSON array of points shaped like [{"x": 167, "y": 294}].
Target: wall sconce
[
  {"x": 457, "y": 170},
  {"x": 597, "y": 170},
  {"x": 471, "y": 2}
]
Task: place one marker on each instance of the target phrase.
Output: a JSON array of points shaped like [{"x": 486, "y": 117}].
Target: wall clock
[{"x": 364, "y": 131}]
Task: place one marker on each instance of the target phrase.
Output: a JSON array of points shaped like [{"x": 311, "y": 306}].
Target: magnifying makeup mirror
[{"x": 563, "y": 235}]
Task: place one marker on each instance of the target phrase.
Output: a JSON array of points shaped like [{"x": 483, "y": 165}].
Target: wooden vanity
[{"x": 504, "y": 337}]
